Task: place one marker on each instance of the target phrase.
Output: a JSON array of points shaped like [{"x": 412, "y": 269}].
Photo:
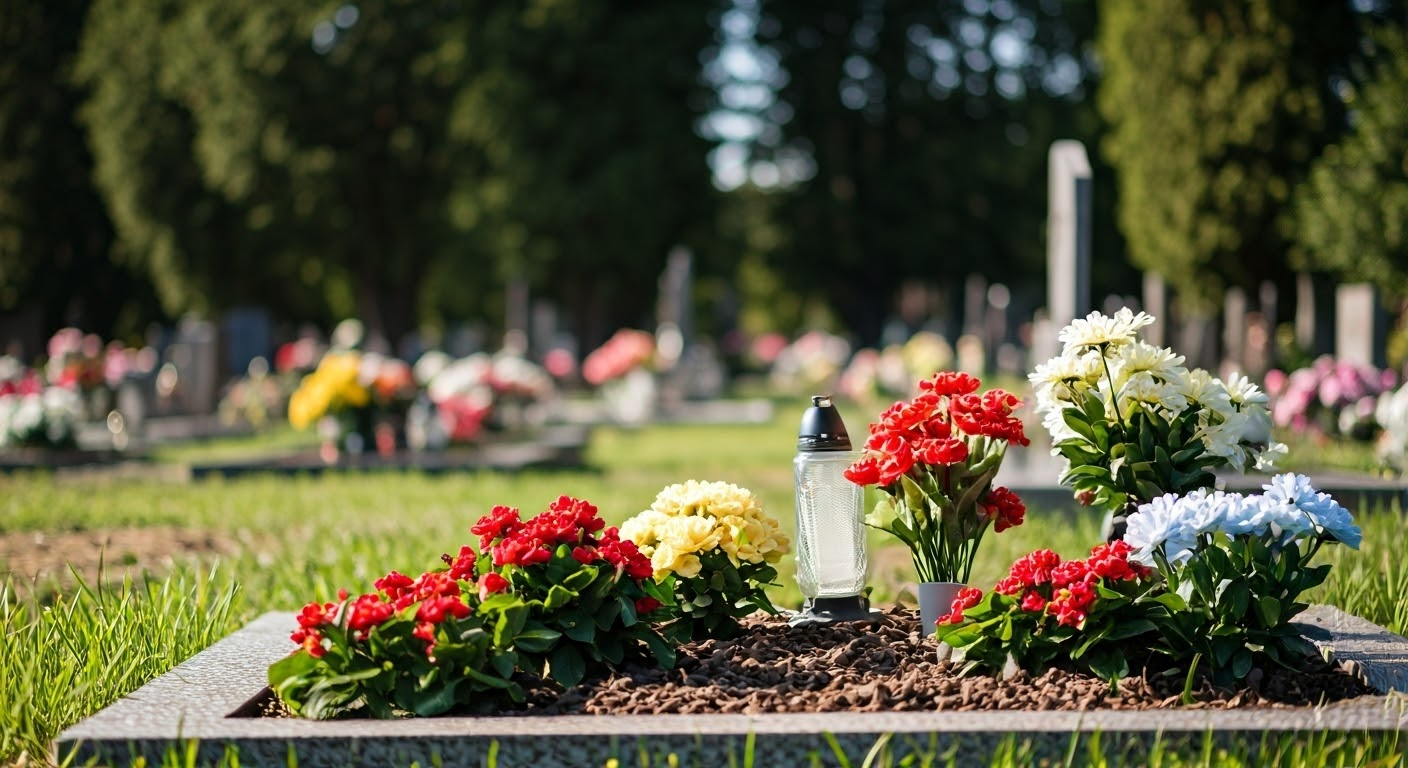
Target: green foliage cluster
[
  {"x": 1216, "y": 109},
  {"x": 1352, "y": 213}
]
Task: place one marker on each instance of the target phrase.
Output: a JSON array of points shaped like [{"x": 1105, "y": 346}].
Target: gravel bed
[{"x": 884, "y": 666}]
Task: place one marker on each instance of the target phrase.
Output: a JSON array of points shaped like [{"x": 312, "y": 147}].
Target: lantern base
[{"x": 827, "y": 610}]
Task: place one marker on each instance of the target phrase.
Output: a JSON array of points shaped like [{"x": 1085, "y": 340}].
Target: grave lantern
[{"x": 831, "y": 557}]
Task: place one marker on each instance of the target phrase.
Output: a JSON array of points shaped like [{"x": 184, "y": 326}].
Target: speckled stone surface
[{"x": 195, "y": 701}]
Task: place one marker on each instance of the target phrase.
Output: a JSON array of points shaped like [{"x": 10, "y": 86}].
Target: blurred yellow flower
[{"x": 331, "y": 388}]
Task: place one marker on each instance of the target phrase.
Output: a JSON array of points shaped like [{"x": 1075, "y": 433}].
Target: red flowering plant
[
  {"x": 934, "y": 458},
  {"x": 1087, "y": 611},
  {"x": 553, "y": 596},
  {"x": 414, "y": 646},
  {"x": 589, "y": 592}
]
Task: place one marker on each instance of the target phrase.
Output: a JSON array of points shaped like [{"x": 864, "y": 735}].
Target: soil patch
[
  {"x": 39, "y": 556},
  {"x": 885, "y": 666}
]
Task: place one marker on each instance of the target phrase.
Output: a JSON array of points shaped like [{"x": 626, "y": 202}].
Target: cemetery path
[{"x": 34, "y": 557}]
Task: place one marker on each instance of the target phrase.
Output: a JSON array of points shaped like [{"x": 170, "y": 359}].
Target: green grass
[{"x": 70, "y": 648}]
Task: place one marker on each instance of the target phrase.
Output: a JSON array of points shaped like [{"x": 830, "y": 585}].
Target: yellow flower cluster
[
  {"x": 692, "y": 518},
  {"x": 330, "y": 388}
]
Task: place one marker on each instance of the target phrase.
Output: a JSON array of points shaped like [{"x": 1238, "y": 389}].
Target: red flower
[
  {"x": 582, "y": 511},
  {"x": 646, "y": 605},
  {"x": 314, "y": 615},
  {"x": 1004, "y": 506},
  {"x": 367, "y": 611},
  {"x": 393, "y": 584},
  {"x": 491, "y": 583},
  {"x": 311, "y": 640},
  {"x": 942, "y": 451},
  {"x": 1070, "y": 604},
  {"x": 623, "y": 555},
  {"x": 1072, "y": 572},
  {"x": 1035, "y": 568},
  {"x": 1033, "y": 601},
  {"x": 522, "y": 551},
  {"x": 462, "y": 567},
  {"x": 584, "y": 555},
  {"x": 1110, "y": 561},
  {"x": 864, "y": 472},
  {"x": 1010, "y": 586},
  {"x": 950, "y": 383},
  {"x": 501, "y": 522},
  {"x": 426, "y": 631}
]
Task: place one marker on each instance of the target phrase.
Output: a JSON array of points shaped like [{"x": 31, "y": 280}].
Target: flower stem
[{"x": 1114, "y": 396}]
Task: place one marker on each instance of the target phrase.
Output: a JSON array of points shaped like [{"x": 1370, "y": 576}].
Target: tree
[
  {"x": 54, "y": 232},
  {"x": 1216, "y": 108},
  {"x": 923, "y": 128},
  {"x": 1352, "y": 212},
  {"x": 595, "y": 170},
  {"x": 279, "y": 153}
]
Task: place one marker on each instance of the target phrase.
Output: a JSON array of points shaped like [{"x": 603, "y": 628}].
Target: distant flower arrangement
[
  {"x": 1332, "y": 398},
  {"x": 627, "y": 350},
  {"x": 811, "y": 363}
]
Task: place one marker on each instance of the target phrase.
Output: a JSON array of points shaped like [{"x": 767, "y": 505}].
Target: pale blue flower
[
  {"x": 1319, "y": 510},
  {"x": 1160, "y": 523}
]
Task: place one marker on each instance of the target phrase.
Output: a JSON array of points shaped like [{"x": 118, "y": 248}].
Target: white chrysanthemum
[
  {"x": 1241, "y": 391},
  {"x": 1224, "y": 438},
  {"x": 1143, "y": 390},
  {"x": 1202, "y": 389},
  {"x": 1268, "y": 458},
  {"x": 1096, "y": 331},
  {"x": 1064, "y": 379},
  {"x": 1160, "y": 523},
  {"x": 1139, "y": 357}
]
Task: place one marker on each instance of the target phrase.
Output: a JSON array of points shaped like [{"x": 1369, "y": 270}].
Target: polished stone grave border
[{"x": 194, "y": 703}]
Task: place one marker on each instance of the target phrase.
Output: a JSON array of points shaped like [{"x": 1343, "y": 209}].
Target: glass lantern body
[{"x": 831, "y": 557}]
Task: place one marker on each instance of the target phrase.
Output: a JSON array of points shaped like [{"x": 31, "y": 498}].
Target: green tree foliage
[
  {"x": 925, "y": 128},
  {"x": 398, "y": 158},
  {"x": 586, "y": 114},
  {"x": 54, "y": 233},
  {"x": 1352, "y": 213},
  {"x": 287, "y": 153},
  {"x": 1216, "y": 109}
]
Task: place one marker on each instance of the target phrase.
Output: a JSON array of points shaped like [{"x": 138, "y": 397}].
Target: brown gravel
[
  {"x": 881, "y": 666},
  {"x": 885, "y": 666}
]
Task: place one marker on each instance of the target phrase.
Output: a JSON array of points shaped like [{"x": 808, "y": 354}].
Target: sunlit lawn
[{"x": 299, "y": 539}]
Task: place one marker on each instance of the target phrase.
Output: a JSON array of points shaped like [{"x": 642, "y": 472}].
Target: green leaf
[
  {"x": 537, "y": 640},
  {"x": 608, "y": 613},
  {"x": 663, "y": 652},
  {"x": 1094, "y": 407},
  {"x": 611, "y": 647},
  {"x": 566, "y": 666},
  {"x": 1108, "y": 665},
  {"x": 581, "y": 629},
  {"x": 582, "y": 578},
  {"x": 558, "y": 596},
  {"x": 1241, "y": 664},
  {"x": 509, "y": 624},
  {"x": 627, "y": 610},
  {"x": 436, "y": 702},
  {"x": 1076, "y": 421}
]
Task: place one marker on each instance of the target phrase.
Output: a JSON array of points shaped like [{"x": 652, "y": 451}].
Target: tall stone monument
[{"x": 1068, "y": 238}]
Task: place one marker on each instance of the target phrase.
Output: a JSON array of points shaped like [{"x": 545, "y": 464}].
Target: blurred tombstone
[
  {"x": 1234, "y": 331},
  {"x": 1044, "y": 336},
  {"x": 247, "y": 333},
  {"x": 702, "y": 373},
  {"x": 1270, "y": 306},
  {"x": 516, "y": 306},
  {"x": 1156, "y": 304},
  {"x": 1257, "y": 345},
  {"x": 1360, "y": 325},
  {"x": 134, "y": 402},
  {"x": 999, "y": 299},
  {"x": 462, "y": 341},
  {"x": 975, "y": 305},
  {"x": 675, "y": 306},
  {"x": 544, "y": 328},
  {"x": 1197, "y": 342},
  {"x": 1067, "y": 239},
  {"x": 195, "y": 358},
  {"x": 970, "y": 354},
  {"x": 1315, "y": 323}
]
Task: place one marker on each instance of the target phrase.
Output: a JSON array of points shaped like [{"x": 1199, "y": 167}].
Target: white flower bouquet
[{"x": 1134, "y": 424}]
